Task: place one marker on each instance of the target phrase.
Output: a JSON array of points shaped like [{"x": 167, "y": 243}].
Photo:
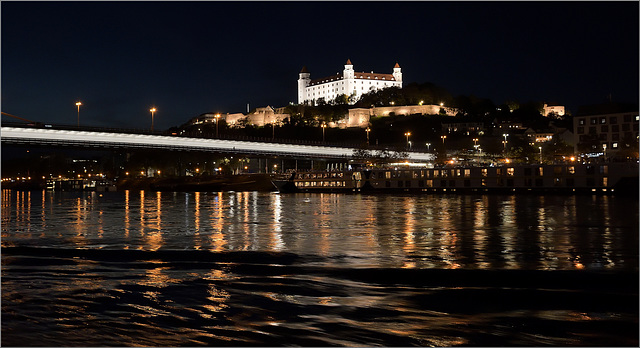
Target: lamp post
[
  {"x": 273, "y": 130},
  {"x": 78, "y": 105},
  {"x": 475, "y": 141},
  {"x": 368, "y": 130},
  {"x": 505, "y": 135},
  {"x": 408, "y": 134},
  {"x": 153, "y": 110},
  {"x": 323, "y": 126},
  {"x": 428, "y": 146},
  {"x": 217, "y": 116},
  {"x": 540, "y": 147}
]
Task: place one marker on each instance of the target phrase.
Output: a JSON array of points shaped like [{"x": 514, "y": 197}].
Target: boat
[{"x": 535, "y": 178}]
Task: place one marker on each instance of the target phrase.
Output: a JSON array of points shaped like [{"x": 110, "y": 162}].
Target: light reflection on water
[
  {"x": 140, "y": 268},
  {"x": 409, "y": 231}
]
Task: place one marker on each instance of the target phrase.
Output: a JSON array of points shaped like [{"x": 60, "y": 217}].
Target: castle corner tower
[
  {"x": 397, "y": 73},
  {"x": 304, "y": 79}
]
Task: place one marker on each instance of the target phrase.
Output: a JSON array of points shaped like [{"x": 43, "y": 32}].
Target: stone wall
[{"x": 360, "y": 117}]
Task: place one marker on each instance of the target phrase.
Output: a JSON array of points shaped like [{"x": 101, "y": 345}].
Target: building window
[
  {"x": 604, "y": 128},
  {"x": 615, "y": 128},
  {"x": 613, "y": 120},
  {"x": 581, "y": 121},
  {"x": 603, "y": 120},
  {"x": 627, "y": 118},
  {"x": 615, "y": 136},
  {"x": 594, "y": 120},
  {"x": 614, "y": 145},
  {"x": 580, "y": 130}
]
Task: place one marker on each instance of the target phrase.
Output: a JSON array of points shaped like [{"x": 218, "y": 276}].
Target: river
[{"x": 142, "y": 268}]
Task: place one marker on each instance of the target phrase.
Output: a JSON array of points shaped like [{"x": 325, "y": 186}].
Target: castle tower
[
  {"x": 349, "y": 75},
  {"x": 397, "y": 74},
  {"x": 348, "y": 70},
  {"x": 304, "y": 80}
]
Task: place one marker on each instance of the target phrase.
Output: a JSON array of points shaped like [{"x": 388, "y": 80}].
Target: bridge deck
[{"x": 123, "y": 140}]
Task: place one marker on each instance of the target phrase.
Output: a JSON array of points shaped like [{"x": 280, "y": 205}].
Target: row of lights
[{"x": 50, "y": 177}]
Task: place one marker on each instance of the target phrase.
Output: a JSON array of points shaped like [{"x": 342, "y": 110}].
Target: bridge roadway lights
[{"x": 125, "y": 140}]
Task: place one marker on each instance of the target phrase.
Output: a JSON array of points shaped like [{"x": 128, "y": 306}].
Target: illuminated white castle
[{"x": 353, "y": 84}]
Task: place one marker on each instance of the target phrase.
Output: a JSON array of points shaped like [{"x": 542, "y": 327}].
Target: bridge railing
[{"x": 203, "y": 136}]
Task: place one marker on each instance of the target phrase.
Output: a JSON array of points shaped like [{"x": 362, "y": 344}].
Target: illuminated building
[{"x": 349, "y": 82}]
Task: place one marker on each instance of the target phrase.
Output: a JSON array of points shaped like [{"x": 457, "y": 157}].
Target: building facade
[
  {"x": 260, "y": 117},
  {"x": 610, "y": 129},
  {"x": 552, "y": 110},
  {"x": 350, "y": 83}
]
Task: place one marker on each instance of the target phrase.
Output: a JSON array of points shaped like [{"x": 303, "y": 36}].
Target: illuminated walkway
[{"x": 41, "y": 136}]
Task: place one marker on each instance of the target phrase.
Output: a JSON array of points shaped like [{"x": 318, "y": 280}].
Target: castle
[{"x": 350, "y": 83}]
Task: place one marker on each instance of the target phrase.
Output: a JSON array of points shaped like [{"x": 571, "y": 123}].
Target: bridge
[{"x": 97, "y": 139}]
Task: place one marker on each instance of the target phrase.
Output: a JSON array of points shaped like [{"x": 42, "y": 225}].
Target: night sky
[{"x": 187, "y": 58}]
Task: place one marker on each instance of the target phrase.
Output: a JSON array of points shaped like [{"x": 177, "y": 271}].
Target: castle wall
[{"x": 359, "y": 117}]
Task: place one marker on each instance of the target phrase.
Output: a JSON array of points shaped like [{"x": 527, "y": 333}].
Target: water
[{"x": 140, "y": 268}]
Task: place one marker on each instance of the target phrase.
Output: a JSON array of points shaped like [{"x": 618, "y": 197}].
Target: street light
[
  {"x": 153, "y": 110},
  {"x": 475, "y": 141},
  {"x": 217, "y": 116},
  {"x": 505, "y": 135},
  {"x": 444, "y": 149},
  {"x": 78, "y": 105},
  {"x": 323, "y": 126},
  {"x": 540, "y": 147},
  {"x": 273, "y": 130},
  {"x": 428, "y": 146},
  {"x": 407, "y": 134},
  {"x": 367, "y": 130}
]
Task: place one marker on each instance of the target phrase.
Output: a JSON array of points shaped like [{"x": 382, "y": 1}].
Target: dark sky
[{"x": 188, "y": 58}]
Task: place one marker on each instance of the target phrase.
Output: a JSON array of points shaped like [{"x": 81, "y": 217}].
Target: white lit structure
[
  {"x": 351, "y": 83},
  {"x": 103, "y": 139},
  {"x": 552, "y": 110}
]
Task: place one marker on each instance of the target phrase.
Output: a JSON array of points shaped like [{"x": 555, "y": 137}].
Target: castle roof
[
  {"x": 357, "y": 76},
  {"x": 349, "y": 62},
  {"x": 304, "y": 69},
  {"x": 396, "y": 66}
]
